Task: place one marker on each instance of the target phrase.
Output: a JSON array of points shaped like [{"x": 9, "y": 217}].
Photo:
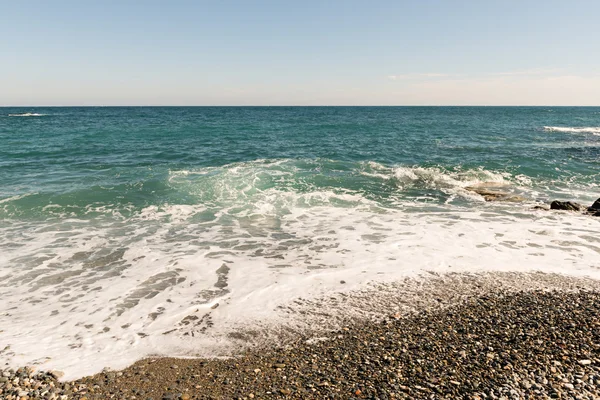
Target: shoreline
[{"x": 436, "y": 336}]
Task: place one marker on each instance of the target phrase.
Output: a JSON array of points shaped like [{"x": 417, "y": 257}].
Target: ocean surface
[{"x": 122, "y": 229}]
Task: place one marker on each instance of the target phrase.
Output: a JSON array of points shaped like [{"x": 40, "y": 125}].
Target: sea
[{"x": 128, "y": 232}]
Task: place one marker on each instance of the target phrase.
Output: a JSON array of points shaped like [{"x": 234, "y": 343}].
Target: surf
[
  {"x": 566, "y": 129},
  {"x": 27, "y": 115},
  {"x": 133, "y": 232}
]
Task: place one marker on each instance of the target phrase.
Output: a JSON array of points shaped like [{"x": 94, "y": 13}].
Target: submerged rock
[
  {"x": 542, "y": 207},
  {"x": 566, "y": 205},
  {"x": 486, "y": 190}
]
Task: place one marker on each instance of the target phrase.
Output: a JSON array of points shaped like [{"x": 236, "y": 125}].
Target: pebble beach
[
  {"x": 524, "y": 336},
  {"x": 210, "y": 232},
  {"x": 312, "y": 200}
]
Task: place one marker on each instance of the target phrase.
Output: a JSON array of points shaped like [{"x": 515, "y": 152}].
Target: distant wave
[
  {"x": 27, "y": 115},
  {"x": 567, "y": 129}
]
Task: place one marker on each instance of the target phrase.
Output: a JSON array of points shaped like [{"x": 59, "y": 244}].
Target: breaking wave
[
  {"x": 27, "y": 115},
  {"x": 567, "y": 129},
  {"x": 272, "y": 186},
  {"x": 253, "y": 238}
]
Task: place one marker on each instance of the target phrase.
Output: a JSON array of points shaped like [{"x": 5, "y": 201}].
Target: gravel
[{"x": 531, "y": 344}]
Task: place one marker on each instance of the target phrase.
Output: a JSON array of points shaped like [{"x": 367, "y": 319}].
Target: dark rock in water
[
  {"x": 566, "y": 205},
  {"x": 596, "y": 214},
  {"x": 595, "y": 206},
  {"x": 544, "y": 207}
]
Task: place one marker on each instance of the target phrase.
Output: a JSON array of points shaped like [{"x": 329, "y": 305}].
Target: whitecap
[
  {"x": 568, "y": 129},
  {"x": 440, "y": 178},
  {"x": 27, "y": 115}
]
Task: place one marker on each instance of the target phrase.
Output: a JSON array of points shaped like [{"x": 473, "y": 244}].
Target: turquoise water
[
  {"x": 119, "y": 226},
  {"x": 123, "y": 158}
]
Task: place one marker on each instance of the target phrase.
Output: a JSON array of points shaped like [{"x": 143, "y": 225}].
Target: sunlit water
[{"x": 122, "y": 228}]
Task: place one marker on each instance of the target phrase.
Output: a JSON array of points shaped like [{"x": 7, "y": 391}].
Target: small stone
[
  {"x": 585, "y": 362},
  {"x": 251, "y": 395},
  {"x": 281, "y": 366},
  {"x": 57, "y": 374},
  {"x": 185, "y": 396},
  {"x": 257, "y": 370}
]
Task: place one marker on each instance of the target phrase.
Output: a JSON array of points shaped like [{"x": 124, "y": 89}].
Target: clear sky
[{"x": 220, "y": 52}]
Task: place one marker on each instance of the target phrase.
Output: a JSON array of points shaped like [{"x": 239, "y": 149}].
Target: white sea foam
[
  {"x": 175, "y": 213},
  {"x": 80, "y": 295},
  {"x": 442, "y": 179},
  {"x": 434, "y": 177},
  {"x": 566, "y": 129},
  {"x": 27, "y": 115},
  {"x": 17, "y": 197},
  {"x": 452, "y": 182}
]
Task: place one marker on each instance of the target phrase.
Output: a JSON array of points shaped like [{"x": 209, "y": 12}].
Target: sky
[{"x": 283, "y": 52}]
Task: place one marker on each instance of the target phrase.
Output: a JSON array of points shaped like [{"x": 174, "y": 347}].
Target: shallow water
[{"x": 121, "y": 228}]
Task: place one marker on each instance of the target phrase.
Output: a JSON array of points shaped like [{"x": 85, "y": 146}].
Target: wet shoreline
[{"x": 498, "y": 335}]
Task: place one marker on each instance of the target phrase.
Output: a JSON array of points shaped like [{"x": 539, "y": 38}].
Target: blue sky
[{"x": 300, "y": 53}]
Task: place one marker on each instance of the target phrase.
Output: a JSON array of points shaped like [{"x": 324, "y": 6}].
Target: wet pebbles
[
  {"x": 26, "y": 383},
  {"x": 503, "y": 345}
]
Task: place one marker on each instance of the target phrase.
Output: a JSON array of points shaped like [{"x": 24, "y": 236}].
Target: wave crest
[
  {"x": 567, "y": 129},
  {"x": 27, "y": 115},
  {"x": 267, "y": 187},
  {"x": 440, "y": 178}
]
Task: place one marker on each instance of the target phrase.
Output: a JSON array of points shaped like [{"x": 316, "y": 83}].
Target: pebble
[{"x": 461, "y": 351}]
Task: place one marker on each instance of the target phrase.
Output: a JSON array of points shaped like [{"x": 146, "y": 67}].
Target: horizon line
[{"x": 303, "y": 105}]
